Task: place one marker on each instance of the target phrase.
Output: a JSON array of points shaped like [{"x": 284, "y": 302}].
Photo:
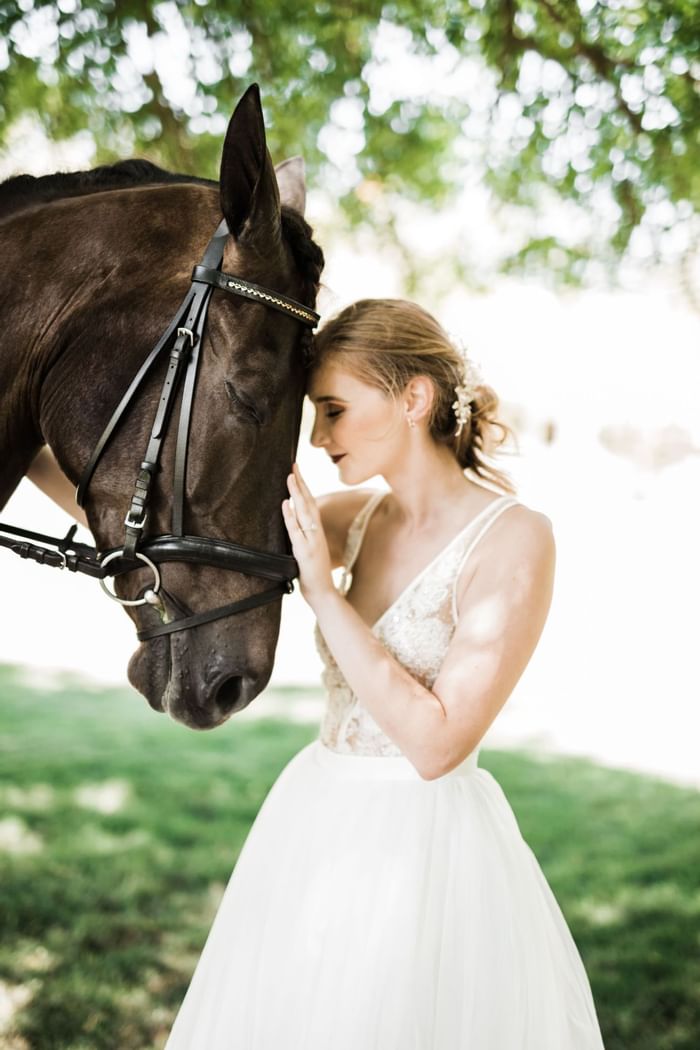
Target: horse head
[{"x": 112, "y": 261}]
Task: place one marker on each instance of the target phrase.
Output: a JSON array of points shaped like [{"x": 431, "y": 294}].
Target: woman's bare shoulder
[
  {"x": 520, "y": 540},
  {"x": 338, "y": 509},
  {"x": 520, "y": 528}
]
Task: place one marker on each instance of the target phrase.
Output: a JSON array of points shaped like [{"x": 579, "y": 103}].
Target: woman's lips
[{"x": 336, "y": 459}]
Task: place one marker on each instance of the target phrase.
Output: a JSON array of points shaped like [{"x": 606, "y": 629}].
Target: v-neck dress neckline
[{"x": 369, "y": 509}]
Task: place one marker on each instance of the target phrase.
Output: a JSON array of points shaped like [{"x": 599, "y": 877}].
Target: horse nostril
[{"x": 228, "y": 694}]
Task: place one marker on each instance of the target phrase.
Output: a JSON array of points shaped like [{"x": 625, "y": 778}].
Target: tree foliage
[{"x": 580, "y": 117}]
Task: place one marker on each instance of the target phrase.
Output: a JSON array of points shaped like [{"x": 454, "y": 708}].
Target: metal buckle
[
  {"x": 131, "y": 524},
  {"x": 187, "y": 332}
]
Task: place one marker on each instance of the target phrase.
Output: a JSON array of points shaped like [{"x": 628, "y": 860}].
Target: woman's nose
[{"x": 317, "y": 438}]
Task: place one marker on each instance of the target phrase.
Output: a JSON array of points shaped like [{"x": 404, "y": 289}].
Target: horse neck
[{"x": 75, "y": 311}]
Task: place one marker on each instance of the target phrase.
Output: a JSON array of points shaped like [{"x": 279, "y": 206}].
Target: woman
[{"x": 384, "y": 898}]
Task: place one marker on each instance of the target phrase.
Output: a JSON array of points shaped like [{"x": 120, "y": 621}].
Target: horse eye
[{"x": 241, "y": 404}]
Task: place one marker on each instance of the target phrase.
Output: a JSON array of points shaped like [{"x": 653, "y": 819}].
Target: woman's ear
[{"x": 419, "y": 395}]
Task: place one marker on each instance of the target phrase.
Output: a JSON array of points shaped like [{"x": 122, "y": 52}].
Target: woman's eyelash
[{"x": 331, "y": 413}]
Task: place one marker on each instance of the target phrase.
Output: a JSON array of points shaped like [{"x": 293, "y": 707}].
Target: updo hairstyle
[{"x": 385, "y": 343}]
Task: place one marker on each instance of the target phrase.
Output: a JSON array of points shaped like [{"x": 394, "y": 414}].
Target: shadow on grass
[{"x": 119, "y": 831}]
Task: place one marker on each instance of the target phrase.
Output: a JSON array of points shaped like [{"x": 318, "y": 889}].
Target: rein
[{"x": 183, "y": 339}]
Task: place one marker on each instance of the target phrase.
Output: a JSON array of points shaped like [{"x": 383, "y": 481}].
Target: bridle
[{"x": 183, "y": 340}]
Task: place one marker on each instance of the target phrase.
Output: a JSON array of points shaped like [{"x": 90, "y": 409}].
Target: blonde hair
[{"x": 385, "y": 343}]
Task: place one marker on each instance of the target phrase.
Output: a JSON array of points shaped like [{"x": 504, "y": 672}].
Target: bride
[{"x": 384, "y": 898}]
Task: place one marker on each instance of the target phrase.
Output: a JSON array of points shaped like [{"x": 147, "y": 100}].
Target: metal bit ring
[{"x": 134, "y": 601}]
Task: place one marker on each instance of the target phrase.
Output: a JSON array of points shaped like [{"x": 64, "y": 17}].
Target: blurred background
[{"x": 528, "y": 170}]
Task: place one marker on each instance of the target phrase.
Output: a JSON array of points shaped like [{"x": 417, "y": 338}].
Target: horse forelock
[{"x": 308, "y": 259}]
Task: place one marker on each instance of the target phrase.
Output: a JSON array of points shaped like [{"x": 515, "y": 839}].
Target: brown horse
[{"x": 95, "y": 265}]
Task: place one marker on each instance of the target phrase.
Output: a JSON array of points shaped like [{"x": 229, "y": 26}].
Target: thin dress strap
[
  {"x": 493, "y": 511},
  {"x": 355, "y": 535}
]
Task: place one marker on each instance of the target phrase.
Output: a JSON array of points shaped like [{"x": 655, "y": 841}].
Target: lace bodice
[{"x": 416, "y": 629}]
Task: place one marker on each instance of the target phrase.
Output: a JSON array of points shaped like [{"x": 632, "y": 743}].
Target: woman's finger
[
  {"x": 302, "y": 485},
  {"x": 296, "y": 528},
  {"x": 290, "y": 519},
  {"x": 305, "y": 499},
  {"x": 302, "y": 509}
]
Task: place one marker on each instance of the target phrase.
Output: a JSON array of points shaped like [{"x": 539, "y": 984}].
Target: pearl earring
[{"x": 411, "y": 422}]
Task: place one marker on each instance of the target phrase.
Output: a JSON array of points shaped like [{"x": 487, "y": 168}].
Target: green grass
[{"x": 102, "y": 925}]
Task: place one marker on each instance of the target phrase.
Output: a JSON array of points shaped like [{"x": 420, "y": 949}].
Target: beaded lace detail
[{"x": 416, "y": 629}]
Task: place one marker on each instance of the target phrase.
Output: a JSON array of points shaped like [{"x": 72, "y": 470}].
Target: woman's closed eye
[{"x": 333, "y": 412}]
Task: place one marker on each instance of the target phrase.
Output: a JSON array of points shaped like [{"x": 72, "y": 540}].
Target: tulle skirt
[{"x": 370, "y": 909}]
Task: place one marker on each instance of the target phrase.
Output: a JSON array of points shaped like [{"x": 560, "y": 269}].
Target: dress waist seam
[{"x": 382, "y": 767}]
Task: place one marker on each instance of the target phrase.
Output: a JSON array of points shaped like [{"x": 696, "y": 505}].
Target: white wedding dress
[{"x": 370, "y": 909}]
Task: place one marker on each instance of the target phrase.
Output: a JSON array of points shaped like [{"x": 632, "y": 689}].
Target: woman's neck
[{"x": 428, "y": 487}]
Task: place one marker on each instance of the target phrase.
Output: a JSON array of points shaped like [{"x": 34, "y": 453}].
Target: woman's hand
[{"x": 303, "y": 521}]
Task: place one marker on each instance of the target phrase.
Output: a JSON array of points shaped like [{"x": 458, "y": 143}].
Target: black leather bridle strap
[
  {"x": 126, "y": 400},
  {"x": 76, "y": 557},
  {"x": 136, "y": 516},
  {"x": 247, "y": 290},
  {"x": 218, "y": 554},
  {"x": 212, "y": 259},
  {"x": 185, "y": 352},
  {"x": 214, "y": 251},
  {"x": 254, "y": 600},
  {"x": 192, "y": 550},
  {"x": 213, "y": 256},
  {"x": 183, "y": 428}
]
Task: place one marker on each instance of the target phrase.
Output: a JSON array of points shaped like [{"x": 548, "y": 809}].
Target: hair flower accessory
[{"x": 466, "y": 389}]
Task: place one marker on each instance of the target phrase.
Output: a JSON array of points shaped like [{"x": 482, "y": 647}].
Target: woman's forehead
[{"x": 331, "y": 380}]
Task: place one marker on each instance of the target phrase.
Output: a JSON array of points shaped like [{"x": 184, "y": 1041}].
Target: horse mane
[{"x": 25, "y": 191}]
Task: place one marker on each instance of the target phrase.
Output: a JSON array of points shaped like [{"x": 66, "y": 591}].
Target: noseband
[{"x": 183, "y": 340}]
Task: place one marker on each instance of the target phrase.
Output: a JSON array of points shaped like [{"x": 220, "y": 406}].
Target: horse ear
[
  {"x": 250, "y": 199},
  {"x": 291, "y": 179}
]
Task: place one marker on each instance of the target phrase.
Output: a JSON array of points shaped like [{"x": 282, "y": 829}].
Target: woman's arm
[
  {"x": 48, "y": 476},
  {"x": 502, "y": 616}
]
